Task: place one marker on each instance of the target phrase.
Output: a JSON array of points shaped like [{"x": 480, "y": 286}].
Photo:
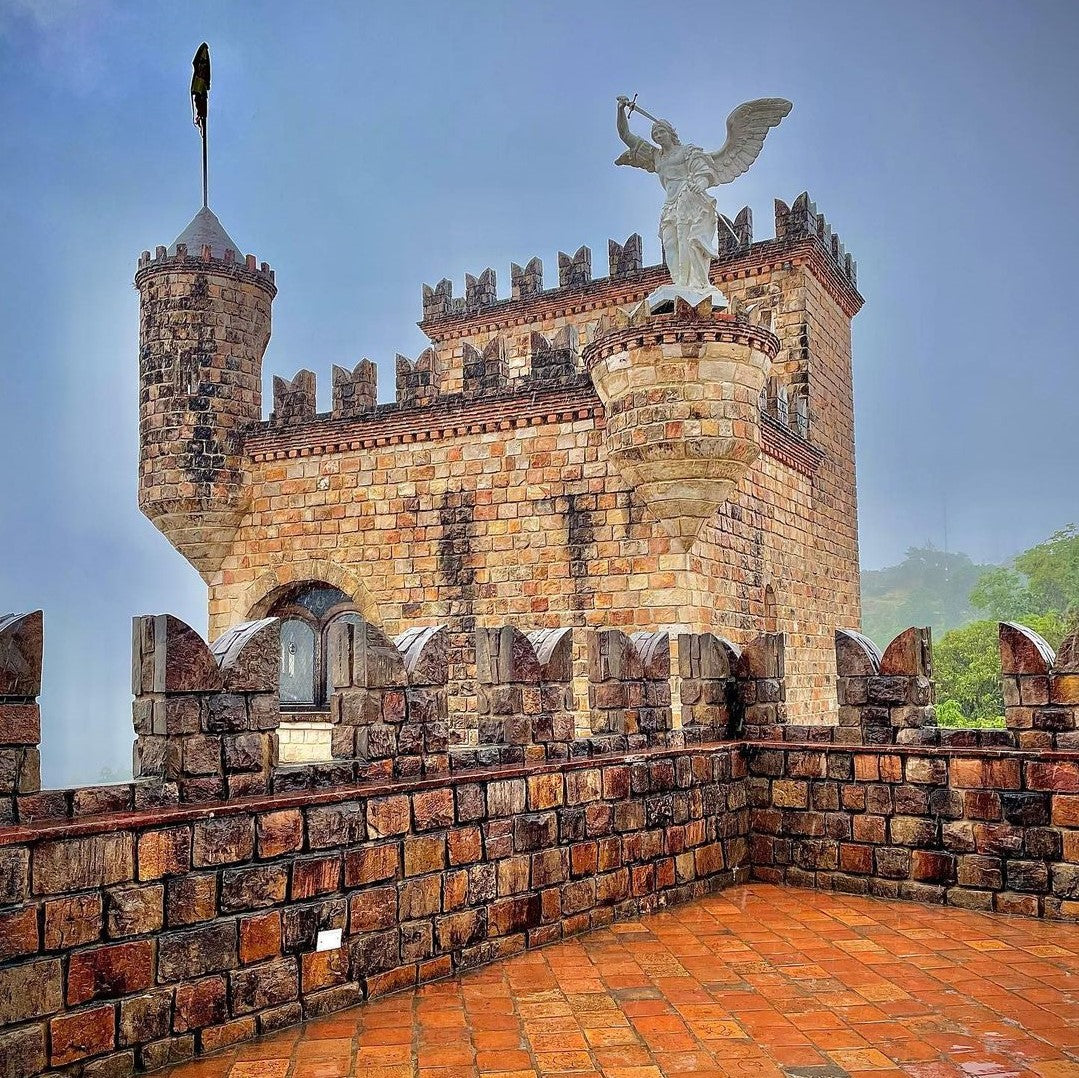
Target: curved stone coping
[{"x": 661, "y": 329}]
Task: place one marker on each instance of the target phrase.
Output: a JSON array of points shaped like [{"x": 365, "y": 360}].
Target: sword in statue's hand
[{"x": 632, "y": 107}]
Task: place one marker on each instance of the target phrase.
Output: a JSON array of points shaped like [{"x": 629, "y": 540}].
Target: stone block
[
  {"x": 185, "y": 955},
  {"x": 18, "y": 932},
  {"x": 252, "y": 887},
  {"x": 423, "y": 854},
  {"x": 189, "y": 899},
  {"x": 80, "y": 864},
  {"x": 222, "y": 841},
  {"x": 374, "y": 953},
  {"x": 315, "y": 876},
  {"x": 81, "y": 1035},
  {"x": 166, "y": 852},
  {"x": 22, "y": 1052},
  {"x": 200, "y": 1004},
  {"x": 134, "y": 911},
  {"x": 388, "y": 816},
  {"x": 268, "y": 984},
  {"x": 260, "y": 937}
]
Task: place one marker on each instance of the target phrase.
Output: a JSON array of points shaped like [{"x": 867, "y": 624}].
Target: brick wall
[
  {"x": 979, "y": 828},
  {"x": 146, "y": 922},
  {"x": 139, "y": 940}
]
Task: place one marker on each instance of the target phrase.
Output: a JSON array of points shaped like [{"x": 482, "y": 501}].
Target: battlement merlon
[
  {"x": 230, "y": 263},
  {"x": 800, "y": 231}
]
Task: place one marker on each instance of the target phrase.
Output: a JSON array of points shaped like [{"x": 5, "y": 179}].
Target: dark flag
[{"x": 200, "y": 86}]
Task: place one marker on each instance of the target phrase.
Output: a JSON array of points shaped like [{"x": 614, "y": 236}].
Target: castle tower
[
  {"x": 204, "y": 323},
  {"x": 681, "y": 393}
]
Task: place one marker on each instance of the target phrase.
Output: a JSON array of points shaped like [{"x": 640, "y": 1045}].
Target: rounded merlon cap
[{"x": 206, "y": 230}]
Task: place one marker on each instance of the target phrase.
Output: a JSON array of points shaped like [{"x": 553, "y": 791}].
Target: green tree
[
  {"x": 1045, "y": 581},
  {"x": 966, "y": 666},
  {"x": 1004, "y": 595},
  {"x": 1052, "y": 572},
  {"x": 929, "y": 587},
  {"x": 967, "y": 671}
]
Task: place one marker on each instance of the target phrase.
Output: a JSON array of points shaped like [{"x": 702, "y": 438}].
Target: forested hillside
[
  {"x": 963, "y": 602},
  {"x": 929, "y": 587}
]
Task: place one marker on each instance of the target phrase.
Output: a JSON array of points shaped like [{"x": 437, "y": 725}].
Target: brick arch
[{"x": 262, "y": 593}]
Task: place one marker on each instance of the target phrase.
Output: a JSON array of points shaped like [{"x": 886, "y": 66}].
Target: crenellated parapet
[
  {"x": 485, "y": 370},
  {"x": 884, "y": 696},
  {"x": 419, "y": 382},
  {"x": 708, "y": 668},
  {"x": 294, "y": 398},
  {"x": 524, "y": 697},
  {"x": 760, "y": 707},
  {"x": 556, "y": 359},
  {"x": 735, "y": 235},
  {"x": 205, "y": 716},
  {"x": 626, "y": 258},
  {"x": 629, "y": 689},
  {"x": 1041, "y": 688},
  {"x": 801, "y": 220},
  {"x": 183, "y": 260},
  {"x": 526, "y": 281},
  {"x": 735, "y": 243},
  {"x": 355, "y": 391},
  {"x": 575, "y": 271},
  {"x": 389, "y": 702},
  {"x": 438, "y": 301},
  {"x": 20, "y": 716}
]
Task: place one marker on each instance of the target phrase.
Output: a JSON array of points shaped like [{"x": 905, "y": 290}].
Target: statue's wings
[{"x": 746, "y": 129}]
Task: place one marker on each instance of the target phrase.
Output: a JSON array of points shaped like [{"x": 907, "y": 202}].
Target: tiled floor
[{"x": 757, "y": 980}]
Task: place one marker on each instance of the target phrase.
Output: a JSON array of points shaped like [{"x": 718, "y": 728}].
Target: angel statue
[{"x": 687, "y": 225}]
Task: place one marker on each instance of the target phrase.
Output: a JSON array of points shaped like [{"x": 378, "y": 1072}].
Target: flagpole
[{"x": 200, "y": 94}]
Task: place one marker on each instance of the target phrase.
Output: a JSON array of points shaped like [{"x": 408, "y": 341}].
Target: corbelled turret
[{"x": 204, "y": 323}]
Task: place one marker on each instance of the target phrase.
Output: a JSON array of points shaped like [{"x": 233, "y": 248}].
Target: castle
[
  {"x": 470, "y": 689},
  {"x": 519, "y": 478}
]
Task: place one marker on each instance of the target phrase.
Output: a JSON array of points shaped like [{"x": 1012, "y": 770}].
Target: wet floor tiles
[{"x": 757, "y": 980}]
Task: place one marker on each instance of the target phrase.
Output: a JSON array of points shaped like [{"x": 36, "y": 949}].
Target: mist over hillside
[{"x": 929, "y": 587}]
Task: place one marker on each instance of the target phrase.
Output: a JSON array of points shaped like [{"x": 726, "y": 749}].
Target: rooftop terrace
[{"x": 758, "y": 980}]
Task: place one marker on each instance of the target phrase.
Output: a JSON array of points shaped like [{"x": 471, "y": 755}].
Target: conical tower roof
[{"x": 206, "y": 230}]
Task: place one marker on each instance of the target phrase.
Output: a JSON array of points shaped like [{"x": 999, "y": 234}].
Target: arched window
[{"x": 307, "y": 612}]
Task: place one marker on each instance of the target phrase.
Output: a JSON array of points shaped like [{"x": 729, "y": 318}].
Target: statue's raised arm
[{"x": 641, "y": 152}]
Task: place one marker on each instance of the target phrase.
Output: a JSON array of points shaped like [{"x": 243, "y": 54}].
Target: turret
[
  {"x": 204, "y": 323},
  {"x": 681, "y": 391}
]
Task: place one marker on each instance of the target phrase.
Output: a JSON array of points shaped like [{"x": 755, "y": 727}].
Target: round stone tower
[
  {"x": 204, "y": 323},
  {"x": 681, "y": 394}
]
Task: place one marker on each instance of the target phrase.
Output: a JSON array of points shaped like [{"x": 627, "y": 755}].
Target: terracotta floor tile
[
  {"x": 265, "y": 1068},
  {"x": 744, "y": 983}
]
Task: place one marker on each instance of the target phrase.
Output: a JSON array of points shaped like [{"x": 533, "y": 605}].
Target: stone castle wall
[{"x": 486, "y": 496}]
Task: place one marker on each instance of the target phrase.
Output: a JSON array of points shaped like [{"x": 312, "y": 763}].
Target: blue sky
[{"x": 363, "y": 149}]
